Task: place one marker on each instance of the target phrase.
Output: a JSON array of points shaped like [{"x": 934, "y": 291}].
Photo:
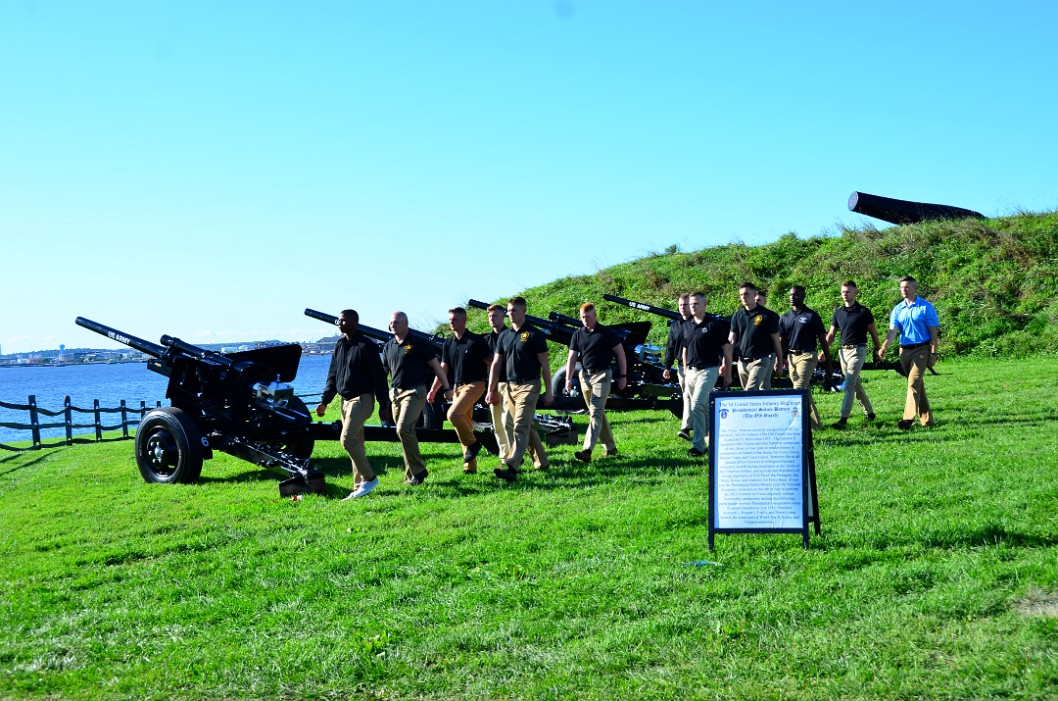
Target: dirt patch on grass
[{"x": 1038, "y": 602}]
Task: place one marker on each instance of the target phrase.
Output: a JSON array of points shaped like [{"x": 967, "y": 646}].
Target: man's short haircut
[
  {"x": 747, "y": 286},
  {"x": 518, "y": 302},
  {"x": 458, "y": 310},
  {"x": 799, "y": 288},
  {"x": 586, "y": 306},
  {"x": 685, "y": 295},
  {"x": 350, "y": 315},
  {"x": 697, "y": 293},
  {"x": 908, "y": 278},
  {"x": 497, "y": 307},
  {"x": 402, "y": 316},
  {"x": 848, "y": 283}
]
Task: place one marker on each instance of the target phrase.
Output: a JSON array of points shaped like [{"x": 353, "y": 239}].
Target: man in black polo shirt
[
  {"x": 468, "y": 357},
  {"x": 854, "y": 321},
  {"x": 755, "y": 333},
  {"x": 674, "y": 354},
  {"x": 412, "y": 364},
  {"x": 502, "y": 424},
  {"x": 799, "y": 331},
  {"x": 357, "y": 376},
  {"x": 706, "y": 356},
  {"x": 594, "y": 346},
  {"x": 523, "y": 350}
]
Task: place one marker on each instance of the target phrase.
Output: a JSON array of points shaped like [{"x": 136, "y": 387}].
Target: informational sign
[{"x": 761, "y": 465}]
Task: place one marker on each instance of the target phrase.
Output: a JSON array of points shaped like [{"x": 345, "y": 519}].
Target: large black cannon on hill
[
  {"x": 645, "y": 387},
  {"x": 897, "y": 211},
  {"x": 238, "y": 403}
]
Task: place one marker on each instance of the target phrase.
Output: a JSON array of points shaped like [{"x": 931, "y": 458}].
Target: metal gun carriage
[{"x": 236, "y": 403}]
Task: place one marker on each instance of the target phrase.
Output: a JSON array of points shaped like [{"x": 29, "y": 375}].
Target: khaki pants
[
  {"x": 502, "y": 425},
  {"x": 915, "y": 361},
  {"x": 756, "y": 374},
  {"x": 407, "y": 408},
  {"x": 685, "y": 420},
  {"x": 521, "y": 403},
  {"x": 802, "y": 365},
  {"x": 596, "y": 389},
  {"x": 355, "y": 413},
  {"x": 852, "y": 360},
  {"x": 461, "y": 413},
  {"x": 700, "y": 383}
]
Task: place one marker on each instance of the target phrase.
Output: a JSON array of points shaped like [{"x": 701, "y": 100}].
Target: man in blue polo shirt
[{"x": 915, "y": 320}]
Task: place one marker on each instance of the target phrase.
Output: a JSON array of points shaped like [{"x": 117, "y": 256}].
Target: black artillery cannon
[
  {"x": 897, "y": 211},
  {"x": 238, "y": 403}
]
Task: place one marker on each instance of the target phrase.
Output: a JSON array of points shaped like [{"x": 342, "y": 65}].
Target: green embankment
[{"x": 994, "y": 282}]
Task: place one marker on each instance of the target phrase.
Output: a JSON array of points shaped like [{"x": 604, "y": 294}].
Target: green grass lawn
[{"x": 936, "y": 575}]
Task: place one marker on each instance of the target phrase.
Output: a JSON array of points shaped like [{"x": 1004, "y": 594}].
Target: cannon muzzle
[
  {"x": 144, "y": 346},
  {"x": 897, "y": 211},
  {"x": 643, "y": 307}
]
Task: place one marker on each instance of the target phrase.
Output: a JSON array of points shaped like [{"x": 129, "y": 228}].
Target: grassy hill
[{"x": 994, "y": 282}]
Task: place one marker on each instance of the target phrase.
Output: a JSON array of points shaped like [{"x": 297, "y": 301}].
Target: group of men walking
[
  {"x": 765, "y": 343},
  {"x": 507, "y": 365}
]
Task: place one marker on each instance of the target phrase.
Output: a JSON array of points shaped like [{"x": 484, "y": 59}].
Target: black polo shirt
[
  {"x": 408, "y": 363},
  {"x": 705, "y": 341},
  {"x": 674, "y": 343},
  {"x": 594, "y": 349},
  {"x": 852, "y": 322},
  {"x": 467, "y": 358},
  {"x": 799, "y": 331},
  {"x": 520, "y": 350},
  {"x": 355, "y": 369},
  {"x": 753, "y": 330},
  {"x": 493, "y": 339}
]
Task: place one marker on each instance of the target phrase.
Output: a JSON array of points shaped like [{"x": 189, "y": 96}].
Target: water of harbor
[{"x": 109, "y": 383}]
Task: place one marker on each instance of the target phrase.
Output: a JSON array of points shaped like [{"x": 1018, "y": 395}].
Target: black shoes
[
  {"x": 417, "y": 479},
  {"x": 472, "y": 451},
  {"x": 695, "y": 453},
  {"x": 684, "y": 434},
  {"x": 904, "y": 424},
  {"x": 506, "y": 474},
  {"x": 870, "y": 417},
  {"x": 841, "y": 423},
  {"x": 583, "y": 455}
]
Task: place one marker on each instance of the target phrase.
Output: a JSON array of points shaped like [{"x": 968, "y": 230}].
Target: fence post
[
  {"x": 34, "y": 422},
  {"x": 124, "y": 420},
  {"x": 143, "y": 409},
  {"x": 68, "y": 416},
  {"x": 99, "y": 421}
]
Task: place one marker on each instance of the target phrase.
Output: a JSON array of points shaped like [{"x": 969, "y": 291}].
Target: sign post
[{"x": 762, "y": 476}]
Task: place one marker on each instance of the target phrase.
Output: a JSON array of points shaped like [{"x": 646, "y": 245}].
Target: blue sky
[{"x": 210, "y": 169}]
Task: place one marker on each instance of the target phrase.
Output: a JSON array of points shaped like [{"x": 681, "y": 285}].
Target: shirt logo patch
[
  {"x": 407, "y": 349},
  {"x": 758, "y": 320},
  {"x": 525, "y": 336}
]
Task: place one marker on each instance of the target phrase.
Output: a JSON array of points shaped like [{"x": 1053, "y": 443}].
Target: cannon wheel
[
  {"x": 169, "y": 446},
  {"x": 558, "y": 386}
]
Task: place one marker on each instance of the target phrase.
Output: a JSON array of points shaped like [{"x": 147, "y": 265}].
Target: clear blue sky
[{"x": 210, "y": 169}]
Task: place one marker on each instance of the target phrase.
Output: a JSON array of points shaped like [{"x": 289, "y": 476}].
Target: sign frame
[{"x": 783, "y": 420}]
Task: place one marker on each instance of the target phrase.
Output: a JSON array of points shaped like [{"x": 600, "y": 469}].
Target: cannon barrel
[
  {"x": 371, "y": 331},
  {"x": 897, "y": 211},
  {"x": 643, "y": 307},
  {"x": 188, "y": 349},
  {"x": 144, "y": 346}
]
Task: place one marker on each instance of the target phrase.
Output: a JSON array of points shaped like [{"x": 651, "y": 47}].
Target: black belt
[
  {"x": 854, "y": 345},
  {"x": 701, "y": 367},
  {"x": 757, "y": 357},
  {"x": 914, "y": 345}
]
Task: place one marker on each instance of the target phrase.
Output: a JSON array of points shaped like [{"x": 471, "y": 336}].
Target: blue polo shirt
[{"x": 913, "y": 320}]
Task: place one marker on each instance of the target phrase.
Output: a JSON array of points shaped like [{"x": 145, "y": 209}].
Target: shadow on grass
[{"x": 22, "y": 462}]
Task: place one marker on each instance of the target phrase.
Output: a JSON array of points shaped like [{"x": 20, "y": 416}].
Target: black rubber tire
[
  {"x": 558, "y": 388},
  {"x": 169, "y": 447}
]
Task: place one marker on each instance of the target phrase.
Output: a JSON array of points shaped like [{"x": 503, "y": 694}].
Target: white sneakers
[{"x": 363, "y": 490}]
